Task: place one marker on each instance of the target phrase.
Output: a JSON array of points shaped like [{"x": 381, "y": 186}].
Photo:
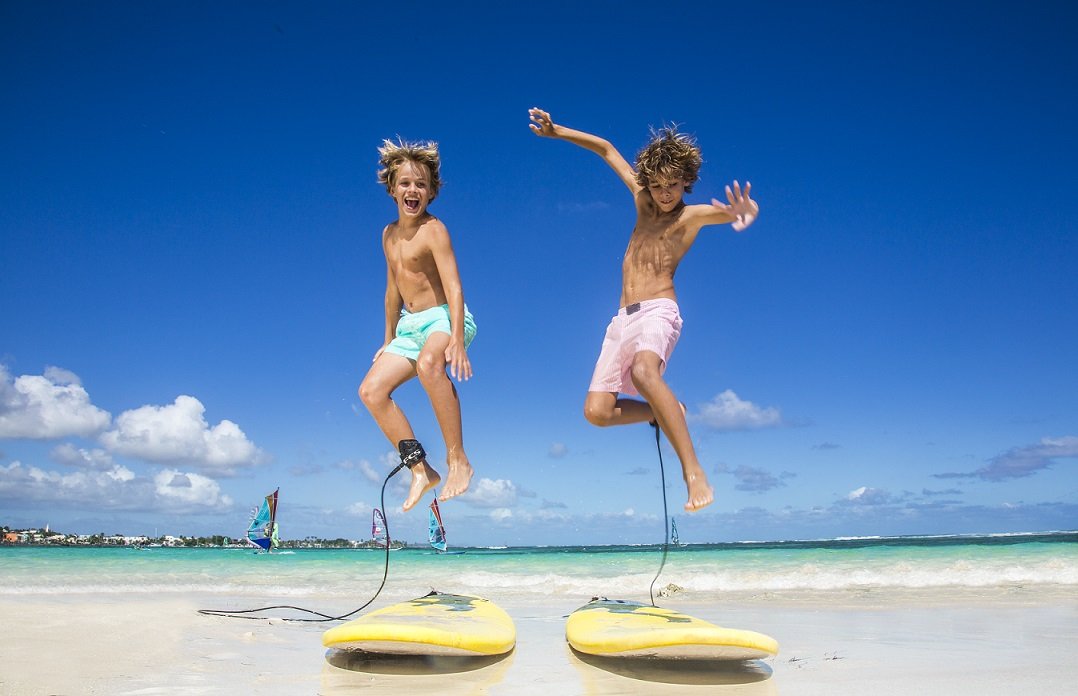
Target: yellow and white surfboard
[
  {"x": 616, "y": 628},
  {"x": 437, "y": 624}
]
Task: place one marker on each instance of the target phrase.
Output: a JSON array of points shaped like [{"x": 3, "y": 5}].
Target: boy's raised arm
[
  {"x": 740, "y": 212},
  {"x": 543, "y": 126}
]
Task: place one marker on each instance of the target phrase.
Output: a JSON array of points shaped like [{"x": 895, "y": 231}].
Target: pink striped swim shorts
[{"x": 653, "y": 325}]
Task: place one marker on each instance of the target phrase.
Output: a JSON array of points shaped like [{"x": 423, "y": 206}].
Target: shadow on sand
[
  {"x": 380, "y": 663},
  {"x": 681, "y": 672},
  {"x": 345, "y": 671}
]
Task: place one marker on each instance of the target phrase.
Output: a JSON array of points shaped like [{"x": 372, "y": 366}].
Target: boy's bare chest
[
  {"x": 653, "y": 237},
  {"x": 409, "y": 254}
]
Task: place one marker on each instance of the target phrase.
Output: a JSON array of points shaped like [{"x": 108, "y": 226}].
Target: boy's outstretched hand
[
  {"x": 541, "y": 124},
  {"x": 742, "y": 207}
]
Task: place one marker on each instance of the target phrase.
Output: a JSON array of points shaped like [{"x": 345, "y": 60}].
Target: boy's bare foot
[
  {"x": 700, "y": 493},
  {"x": 424, "y": 478},
  {"x": 460, "y": 475}
]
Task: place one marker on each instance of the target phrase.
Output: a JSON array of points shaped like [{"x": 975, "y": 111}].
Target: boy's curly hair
[
  {"x": 669, "y": 155},
  {"x": 394, "y": 154}
]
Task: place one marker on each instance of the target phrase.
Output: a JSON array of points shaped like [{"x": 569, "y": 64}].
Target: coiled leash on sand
[{"x": 411, "y": 453}]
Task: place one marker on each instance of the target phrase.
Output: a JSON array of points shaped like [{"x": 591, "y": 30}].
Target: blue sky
[{"x": 191, "y": 285}]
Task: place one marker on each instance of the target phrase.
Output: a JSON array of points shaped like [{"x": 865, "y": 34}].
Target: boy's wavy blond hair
[
  {"x": 668, "y": 156},
  {"x": 394, "y": 154}
]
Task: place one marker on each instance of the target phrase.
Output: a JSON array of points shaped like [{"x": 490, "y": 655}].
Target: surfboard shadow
[
  {"x": 682, "y": 672},
  {"x": 381, "y": 663}
]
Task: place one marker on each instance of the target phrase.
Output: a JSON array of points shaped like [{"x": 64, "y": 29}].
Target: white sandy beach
[{"x": 930, "y": 642}]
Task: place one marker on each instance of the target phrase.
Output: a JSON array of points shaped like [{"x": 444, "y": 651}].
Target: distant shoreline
[
  {"x": 221, "y": 541},
  {"x": 284, "y": 545}
]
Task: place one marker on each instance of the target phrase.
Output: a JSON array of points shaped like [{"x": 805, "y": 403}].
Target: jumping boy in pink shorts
[
  {"x": 642, "y": 335},
  {"x": 428, "y": 326}
]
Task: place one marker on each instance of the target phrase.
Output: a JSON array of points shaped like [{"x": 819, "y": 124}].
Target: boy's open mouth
[{"x": 411, "y": 205}]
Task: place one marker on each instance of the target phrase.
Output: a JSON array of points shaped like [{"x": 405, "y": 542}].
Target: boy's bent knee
[
  {"x": 596, "y": 414},
  {"x": 369, "y": 393},
  {"x": 644, "y": 375},
  {"x": 430, "y": 366}
]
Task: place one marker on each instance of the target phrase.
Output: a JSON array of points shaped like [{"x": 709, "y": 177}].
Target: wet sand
[{"x": 930, "y": 641}]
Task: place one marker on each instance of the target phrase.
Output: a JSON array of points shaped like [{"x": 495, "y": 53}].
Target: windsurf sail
[
  {"x": 673, "y": 533},
  {"x": 262, "y": 531},
  {"x": 437, "y": 529},
  {"x": 378, "y": 529}
]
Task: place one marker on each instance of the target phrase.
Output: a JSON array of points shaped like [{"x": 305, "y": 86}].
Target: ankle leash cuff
[{"x": 411, "y": 452}]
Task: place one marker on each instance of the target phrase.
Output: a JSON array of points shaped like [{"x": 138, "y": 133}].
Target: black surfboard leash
[
  {"x": 666, "y": 519},
  {"x": 246, "y": 613}
]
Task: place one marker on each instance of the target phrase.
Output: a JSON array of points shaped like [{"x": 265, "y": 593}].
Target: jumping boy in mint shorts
[
  {"x": 643, "y": 334},
  {"x": 428, "y": 326}
]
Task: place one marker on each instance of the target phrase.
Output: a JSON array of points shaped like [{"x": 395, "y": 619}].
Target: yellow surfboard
[
  {"x": 616, "y": 628},
  {"x": 437, "y": 624}
]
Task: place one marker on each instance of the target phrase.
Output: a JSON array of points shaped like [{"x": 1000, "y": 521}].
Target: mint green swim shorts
[{"x": 414, "y": 330}]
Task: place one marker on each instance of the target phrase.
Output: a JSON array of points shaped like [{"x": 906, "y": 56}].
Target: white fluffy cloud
[
  {"x": 172, "y": 486},
  {"x": 48, "y": 406},
  {"x": 179, "y": 434},
  {"x": 728, "y": 412},
  {"x": 117, "y": 488},
  {"x": 501, "y": 515},
  {"x": 30, "y": 483},
  {"x": 868, "y": 496},
  {"x": 55, "y": 405},
  {"x": 97, "y": 459},
  {"x": 490, "y": 493}
]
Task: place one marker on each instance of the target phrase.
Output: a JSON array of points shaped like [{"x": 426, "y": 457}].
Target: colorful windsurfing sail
[
  {"x": 378, "y": 529},
  {"x": 262, "y": 531},
  {"x": 437, "y": 529}
]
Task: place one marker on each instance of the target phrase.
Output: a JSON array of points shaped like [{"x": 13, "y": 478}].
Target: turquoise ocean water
[{"x": 1048, "y": 560}]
